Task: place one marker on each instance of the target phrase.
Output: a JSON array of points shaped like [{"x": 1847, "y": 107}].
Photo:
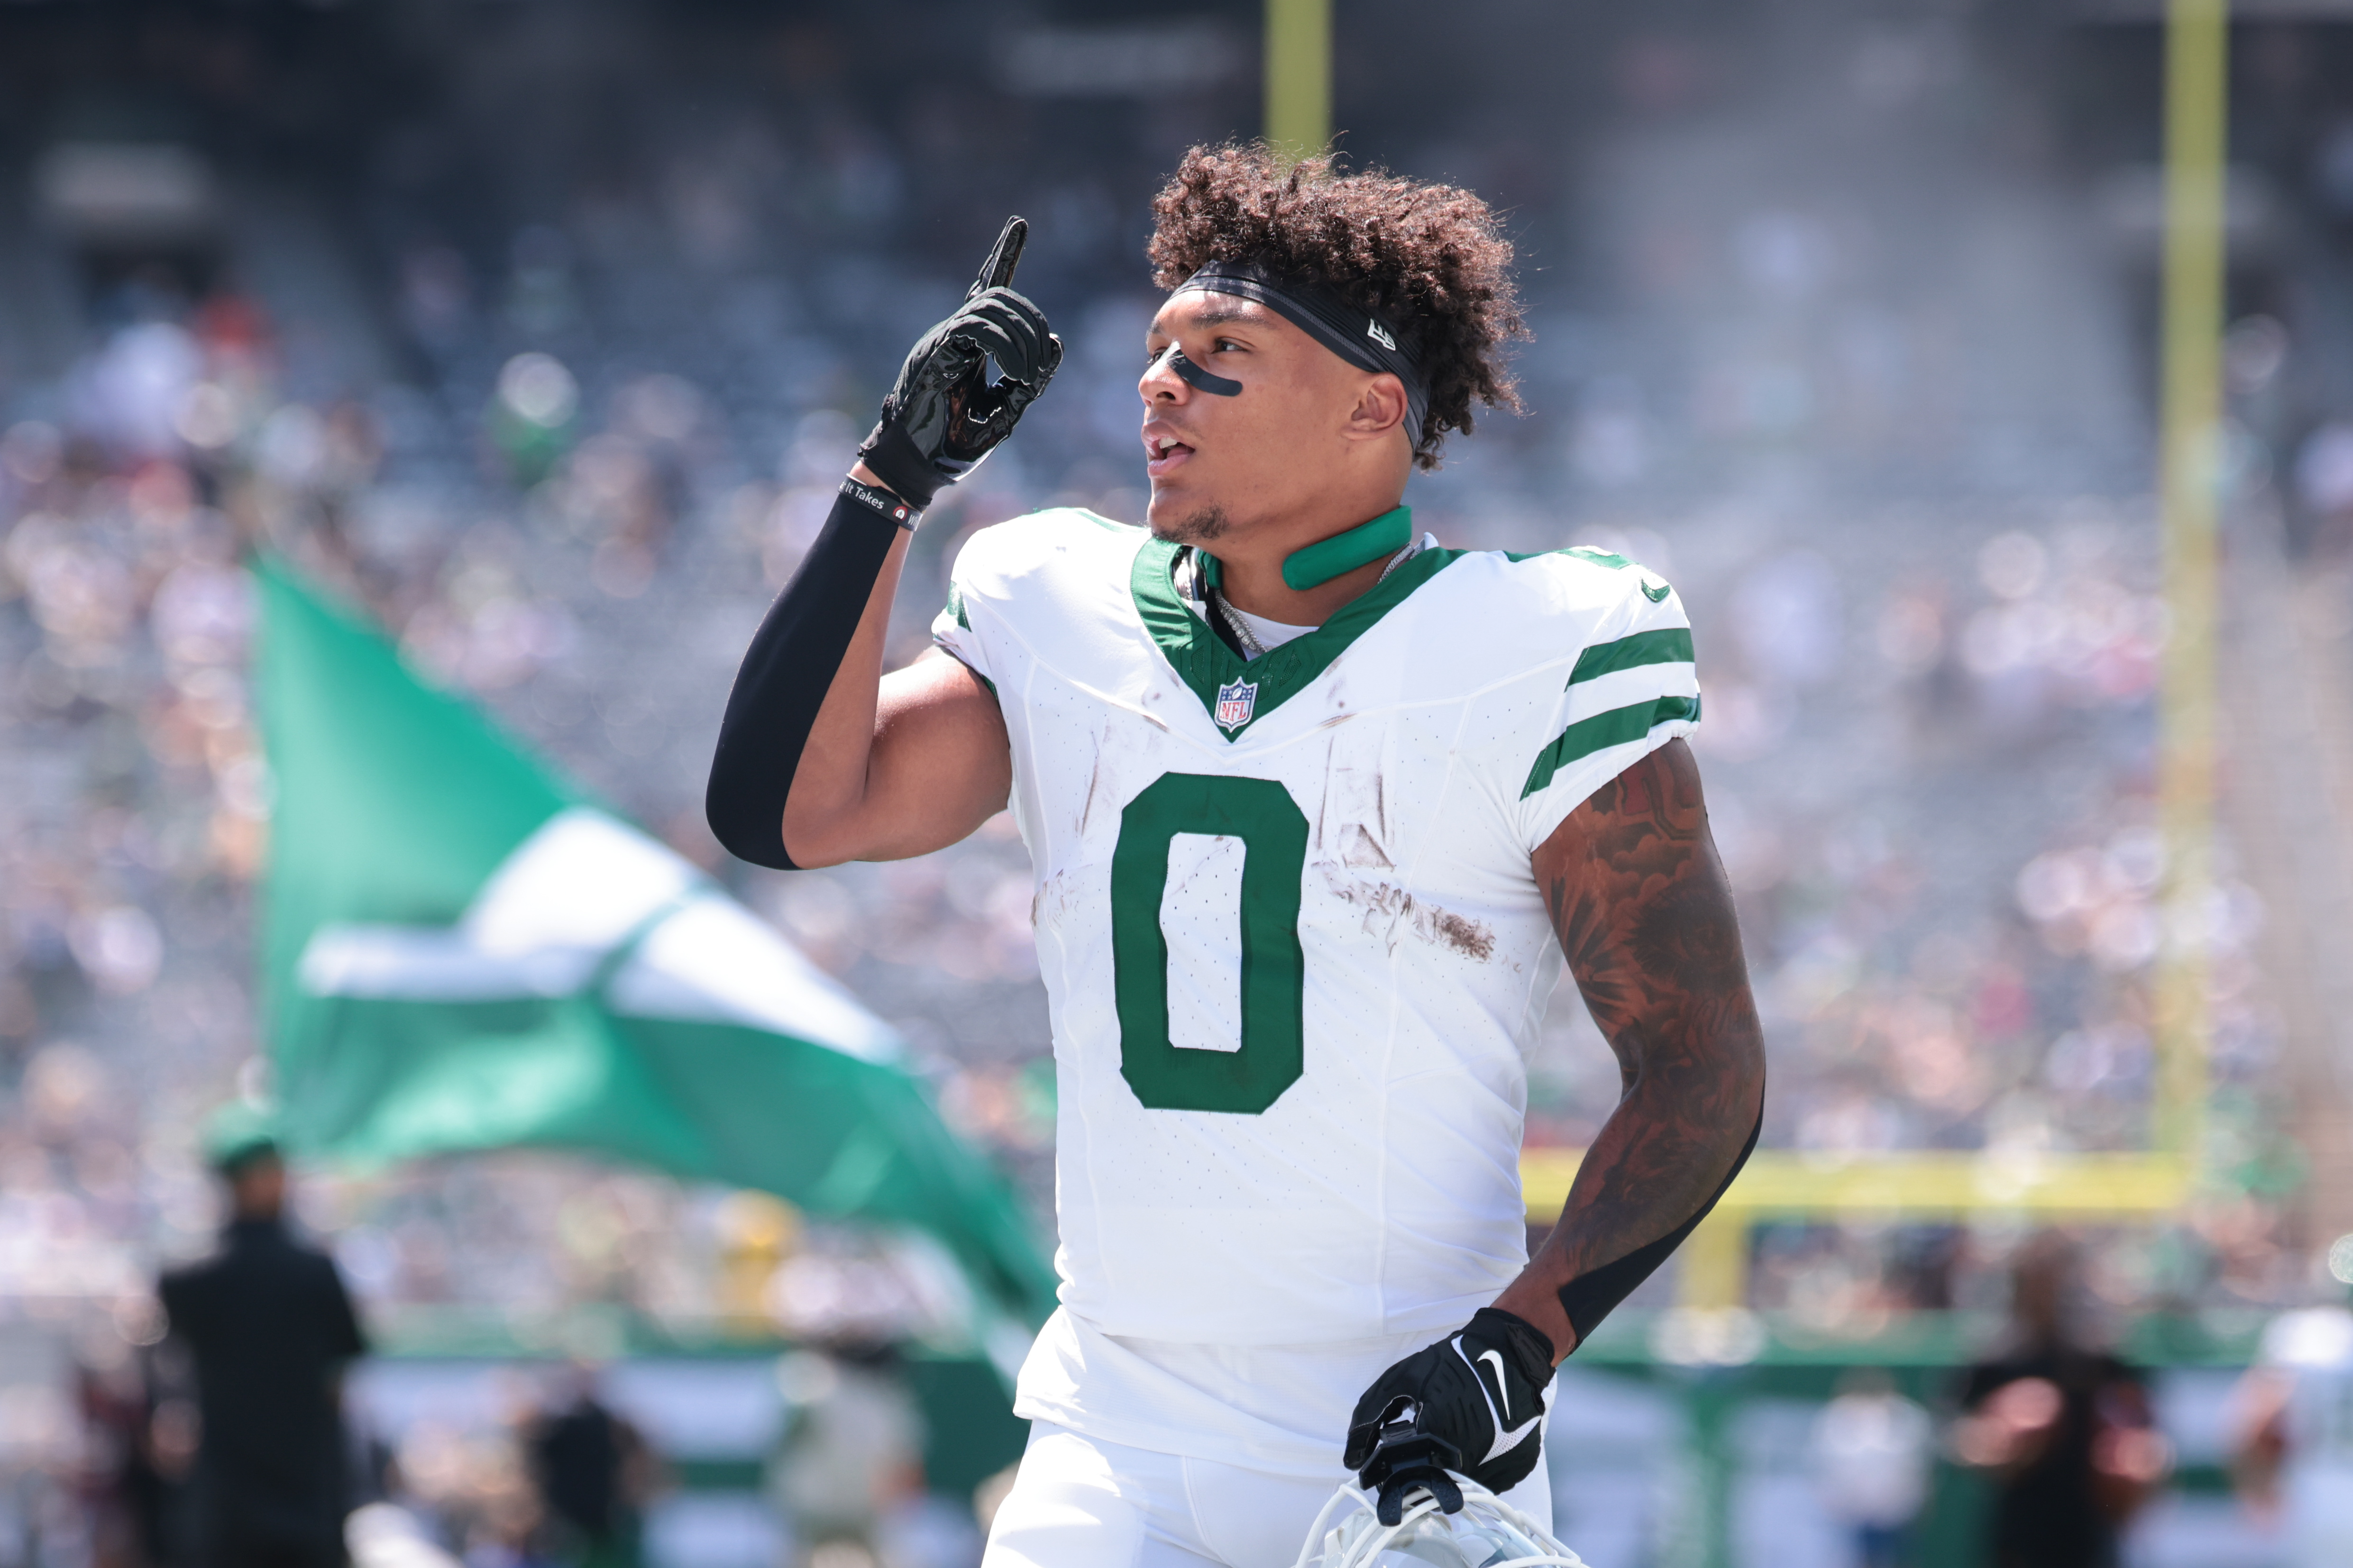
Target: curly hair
[{"x": 1429, "y": 259}]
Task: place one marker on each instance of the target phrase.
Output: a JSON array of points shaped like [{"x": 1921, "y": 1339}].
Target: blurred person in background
[
  {"x": 1871, "y": 1448},
  {"x": 127, "y": 1492},
  {"x": 270, "y": 1330},
  {"x": 2292, "y": 1448},
  {"x": 2066, "y": 1430},
  {"x": 853, "y": 1457},
  {"x": 593, "y": 1472}
]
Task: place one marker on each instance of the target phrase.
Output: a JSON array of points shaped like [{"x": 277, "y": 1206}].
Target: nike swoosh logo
[
  {"x": 1503, "y": 1389},
  {"x": 1656, "y": 595}
]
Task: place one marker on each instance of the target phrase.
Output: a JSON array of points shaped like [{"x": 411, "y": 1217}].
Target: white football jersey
[{"x": 1289, "y": 931}]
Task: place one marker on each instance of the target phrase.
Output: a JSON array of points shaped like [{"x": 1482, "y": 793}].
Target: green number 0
[{"x": 1274, "y": 831}]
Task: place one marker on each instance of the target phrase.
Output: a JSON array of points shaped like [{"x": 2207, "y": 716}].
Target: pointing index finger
[{"x": 997, "y": 272}]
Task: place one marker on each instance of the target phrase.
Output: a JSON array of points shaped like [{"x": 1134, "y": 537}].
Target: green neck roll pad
[
  {"x": 1366, "y": 543},
  {"x": 1319, "y": 563}
]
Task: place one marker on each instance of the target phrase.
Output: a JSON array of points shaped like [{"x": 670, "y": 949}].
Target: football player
[{"x": 1316, "y": 805}]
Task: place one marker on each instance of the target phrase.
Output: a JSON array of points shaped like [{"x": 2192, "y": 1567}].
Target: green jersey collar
[
  {"x": 1318, "y": 563},
  {"x": 1238, "y": 694}
]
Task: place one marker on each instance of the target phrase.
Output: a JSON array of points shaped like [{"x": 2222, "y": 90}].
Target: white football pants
[{"x": 1081, "y": 1502}]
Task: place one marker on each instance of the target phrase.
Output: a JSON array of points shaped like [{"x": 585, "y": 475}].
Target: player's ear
[{"x": 1380, "y": 409}]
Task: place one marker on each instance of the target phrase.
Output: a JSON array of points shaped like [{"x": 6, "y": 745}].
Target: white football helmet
[{"x": 1488, "y": 1532}]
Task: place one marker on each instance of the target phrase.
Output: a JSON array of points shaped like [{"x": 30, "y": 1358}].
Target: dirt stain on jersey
[
  {"x": 1094, "y": 782},
  {"x": 1053, "y": 901},
  {"x": 1432, "y": 923},
  {"x": 1352, "y": 807},
  {"x": 1359, "y": 847}
]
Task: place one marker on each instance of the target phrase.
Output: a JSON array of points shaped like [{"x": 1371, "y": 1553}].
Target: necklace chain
[{"x": 1251, "y": 646}]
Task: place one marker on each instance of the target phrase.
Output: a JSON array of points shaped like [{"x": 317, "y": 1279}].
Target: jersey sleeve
[
  {"x": 1634, "y": 687},
  {"x": 952, "y": 632},
  {"x": 1027, "y": 581}
]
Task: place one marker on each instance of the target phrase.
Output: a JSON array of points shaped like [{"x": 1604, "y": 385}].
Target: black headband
[{"x": 1364, "y": 341}]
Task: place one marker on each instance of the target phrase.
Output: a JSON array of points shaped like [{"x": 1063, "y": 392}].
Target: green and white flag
[{"x": 464, "y": 951}]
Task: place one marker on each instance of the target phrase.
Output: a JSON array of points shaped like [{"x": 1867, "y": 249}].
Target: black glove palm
[
  {"x": 1479, "y": 1393},
  {"x": 943, "y": 415}
]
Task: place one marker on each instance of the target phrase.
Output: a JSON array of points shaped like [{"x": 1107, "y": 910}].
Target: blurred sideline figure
[
  {"x": 387, "y": 1535},
  {"x": 270, "y": 1328},
  {"x": 2066, "y": 1431},
  {"x": 1870, "y": 1455},
  {"x": 2292, "y": 1454},
  {"x": 853, "y": 1454},
  {"x": 591, "y": 1470}
]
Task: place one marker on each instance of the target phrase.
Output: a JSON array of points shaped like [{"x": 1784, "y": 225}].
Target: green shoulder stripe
[
  {"x": 955, "y": 606},
  {"x": 1603, "y": 730},
  {"x": 1592, "y": 552},
  {"x": 1598, "y": 555},
  {"x": 1668, "y": 645}
]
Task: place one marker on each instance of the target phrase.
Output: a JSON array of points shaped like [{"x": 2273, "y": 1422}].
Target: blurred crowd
[{"x": 1982, "y": 984}]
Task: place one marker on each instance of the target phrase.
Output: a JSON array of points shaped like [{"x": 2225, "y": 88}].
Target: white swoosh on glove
[{"x": 1507, "y": 1436}]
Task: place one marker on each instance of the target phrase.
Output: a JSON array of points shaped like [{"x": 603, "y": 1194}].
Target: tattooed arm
[
  {"x": 1644, "y": 915},
  {"x": 1640, "y": 901}
]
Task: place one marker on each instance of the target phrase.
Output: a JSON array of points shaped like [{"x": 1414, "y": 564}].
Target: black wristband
[
  {"x": 1588, "y": 1298},
  {"x": 787, "y": 672},
  {"x": 883, "y": 501},
  {"x": 890, "y": 456}
]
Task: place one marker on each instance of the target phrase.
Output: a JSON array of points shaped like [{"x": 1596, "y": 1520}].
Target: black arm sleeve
[
  {"x": 1588, "y": 1298},
  {"x": 788, "y": 670}
]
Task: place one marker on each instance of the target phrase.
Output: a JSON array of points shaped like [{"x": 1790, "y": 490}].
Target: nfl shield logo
[{"x": 1235, "y": 704}]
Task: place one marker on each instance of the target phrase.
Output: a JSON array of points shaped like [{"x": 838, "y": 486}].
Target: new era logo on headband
[{"x": 1379, "y": 334}]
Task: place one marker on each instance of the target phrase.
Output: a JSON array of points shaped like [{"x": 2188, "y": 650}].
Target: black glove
[
  {"x": 944, "y": 416},
  {"x": 1477, "y": 1399}
]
